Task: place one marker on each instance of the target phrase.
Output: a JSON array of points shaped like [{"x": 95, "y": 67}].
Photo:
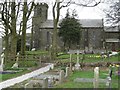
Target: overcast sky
[{"x": 83, "y": 12}]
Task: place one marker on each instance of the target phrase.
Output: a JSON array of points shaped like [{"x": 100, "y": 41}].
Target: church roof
[
  {"x": 111, "y": 29},
  {"x": 86, "y": 23}
]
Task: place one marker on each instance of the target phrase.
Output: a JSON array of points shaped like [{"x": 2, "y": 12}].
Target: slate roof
[
  {"x": 85, "y": 23},
  {"x": 111, "y": 29}
]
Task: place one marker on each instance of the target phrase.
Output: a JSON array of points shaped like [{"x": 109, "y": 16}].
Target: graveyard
[{"x": 70, "y": 71}]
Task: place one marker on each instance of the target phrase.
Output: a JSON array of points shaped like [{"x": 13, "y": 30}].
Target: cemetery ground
[{"x": 63, "y": 60}]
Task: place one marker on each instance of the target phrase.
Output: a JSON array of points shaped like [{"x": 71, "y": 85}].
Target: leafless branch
[{"x": 86, "y": 5}]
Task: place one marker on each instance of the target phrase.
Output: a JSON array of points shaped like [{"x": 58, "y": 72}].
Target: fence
[{"x": 41, "y": 58}]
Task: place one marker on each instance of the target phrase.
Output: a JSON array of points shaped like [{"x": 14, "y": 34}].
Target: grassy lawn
[
  {"x": 69, "y": 83},
  {"x": 89, "y": 58},
  {"x": 13, "y": 75},
  {"x": 39, "y": 52}
]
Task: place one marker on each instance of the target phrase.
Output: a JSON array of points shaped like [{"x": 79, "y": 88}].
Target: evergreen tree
[{"x": 70, "y": 30}]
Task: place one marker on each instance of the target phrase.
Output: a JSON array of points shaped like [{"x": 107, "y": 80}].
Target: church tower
[
  {"x": 40, "y": 16},
  {"x": 41, "y": 11}
]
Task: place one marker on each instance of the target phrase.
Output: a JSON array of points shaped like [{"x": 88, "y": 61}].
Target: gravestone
[
  {"x": 77, "y": 65},
  {"x": 45, "y": 83},
  {"x": 96, "y": 77},
  {"x": 61, "y": 76},
  {"x": 2, "y": 62},
  {"x": 108, "y": 82},
  {"x": 28, "y": 85},
  {"x": 67, "y": 71}
]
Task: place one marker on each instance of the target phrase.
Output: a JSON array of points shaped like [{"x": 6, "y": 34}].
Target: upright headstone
[
  {"x": 96, "y": 77},
  {"x": 77, "y": 65},
  {"x": 61, "y": 76},
  {"x": 108, "y": 83},
  {"x": 2, "y": 62},
  {"x": 45, "y": 83},
  {"x": 67, "y": 72}
]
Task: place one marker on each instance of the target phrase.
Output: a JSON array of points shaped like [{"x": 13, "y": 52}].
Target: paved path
[{"x": 19, "y": 79}]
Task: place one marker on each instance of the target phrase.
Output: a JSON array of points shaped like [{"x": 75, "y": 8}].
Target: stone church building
[{"x": 92, "y": 30}]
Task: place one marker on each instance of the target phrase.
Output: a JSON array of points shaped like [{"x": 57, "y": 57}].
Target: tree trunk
[
  {"x": 13, "y": 32},
  {"x": 31, "y": 42},
  {"x": 6, "y": 47},
  {"x": 23, "y": 39},
  {"x": 54, "y": 42}
]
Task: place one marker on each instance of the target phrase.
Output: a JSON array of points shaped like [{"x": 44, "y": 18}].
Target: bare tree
[
  {"x": 113, "y": 13},
  {"x": 26, "y": 15},
  {"x": 58, "y": 5}
]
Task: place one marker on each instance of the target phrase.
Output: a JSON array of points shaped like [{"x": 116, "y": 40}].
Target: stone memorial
[
  {"x": 67, "y": 71},
  {"x": 77, "y": 65},
  {"x": 96, "y": 77},
  {"x": 2, "y": 62},
  {"x": 45, "y": 83},
  {"x": 28, "y": 85},
  {"x": 61, "y": 76},
  {"x": 108, "y": 82}
]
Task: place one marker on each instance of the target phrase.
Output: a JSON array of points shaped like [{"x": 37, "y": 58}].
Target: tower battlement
[{"x": 42, "y": 4}]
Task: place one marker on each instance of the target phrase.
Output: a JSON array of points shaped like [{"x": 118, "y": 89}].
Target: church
[{"x": 92, "y": 30}]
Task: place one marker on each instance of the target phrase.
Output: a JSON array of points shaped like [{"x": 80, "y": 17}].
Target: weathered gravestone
[
  {"x": 61, "y": 76},
  {"x": 45, "y": 83},
  {"x": 67, "y": 71},
  {"x": 77, "y": 65},
  {"x": 96, "y": 77}
]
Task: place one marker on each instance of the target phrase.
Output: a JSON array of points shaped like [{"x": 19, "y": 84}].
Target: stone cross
[
  {"x": 77, "y": 65},
  {"x": 61, "y": 76},
  {"x": 96, "y": 77}
]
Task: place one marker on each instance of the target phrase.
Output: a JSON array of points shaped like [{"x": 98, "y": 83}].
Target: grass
[
  {"x": 13, "y": 75},
  {"x": 88, "y": 58},
  {"x": 22, "y": 64},
  {"x": 39, "y": 52},
  {"x": 63, "y": 58},
  {"x": 69, "y": 82}
]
